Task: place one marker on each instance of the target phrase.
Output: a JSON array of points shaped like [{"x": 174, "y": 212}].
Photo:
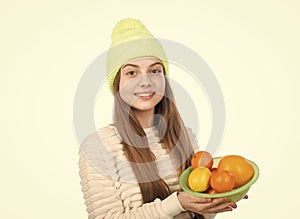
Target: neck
[{"x": 145, "y": 118}]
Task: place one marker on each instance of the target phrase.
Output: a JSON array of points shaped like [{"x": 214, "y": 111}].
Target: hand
[{"x": 205, "y": 205}]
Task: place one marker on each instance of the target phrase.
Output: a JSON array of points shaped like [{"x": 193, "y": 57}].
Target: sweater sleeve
[{"x": 103, "y": 197}]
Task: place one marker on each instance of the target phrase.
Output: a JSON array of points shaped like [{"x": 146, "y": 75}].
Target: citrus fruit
[
  {"x": 198, "y": 179},
  {"x": 222, "y": 181},
  {"x": 211, "y": 191},
  {"x": 202, "y": 159},
  {"x": 239, "y": 167},
  {"x": 213, "y": 169}
]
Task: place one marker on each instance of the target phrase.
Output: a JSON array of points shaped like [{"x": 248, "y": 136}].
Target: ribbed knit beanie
[{"x": 130, "y": 39}]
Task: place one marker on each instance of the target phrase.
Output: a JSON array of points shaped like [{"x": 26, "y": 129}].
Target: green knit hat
[{"x": 130, "y": 39}]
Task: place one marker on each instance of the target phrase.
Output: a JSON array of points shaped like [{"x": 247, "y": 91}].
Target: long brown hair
[{"x": 174, "y": 138}]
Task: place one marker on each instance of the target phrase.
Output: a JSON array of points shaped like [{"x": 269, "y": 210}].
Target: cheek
[
  {"x": 159, "y": 83},
  {"x": 126, "y": 91},
  {"x": 122, "y": 82},
  {"x": 126, "y": 85}
]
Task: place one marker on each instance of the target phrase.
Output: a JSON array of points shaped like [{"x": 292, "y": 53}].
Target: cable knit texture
[{"x": 109, "y": 186}]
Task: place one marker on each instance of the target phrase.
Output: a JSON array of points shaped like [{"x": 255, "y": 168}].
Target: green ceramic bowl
[{"x": 234, "y": 195}]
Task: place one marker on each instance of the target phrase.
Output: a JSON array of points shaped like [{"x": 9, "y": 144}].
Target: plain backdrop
[{"x": 46, "y": 46}]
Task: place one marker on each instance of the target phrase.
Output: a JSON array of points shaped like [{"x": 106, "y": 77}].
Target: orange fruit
[
  {"x": 202, "y": 159},
  {"x": 213, "y": 169},
  {"x": 211, "y": 191},
  {"x": 222, "y": 181},
  {"x": 239, "y": 167},
  {"x": 198, "y": 179}
]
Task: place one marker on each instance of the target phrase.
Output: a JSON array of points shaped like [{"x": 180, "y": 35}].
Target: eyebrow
[{"x": 156, "y": 63}]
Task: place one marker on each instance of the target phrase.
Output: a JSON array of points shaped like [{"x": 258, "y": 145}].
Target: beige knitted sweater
[{"x": 109, "y": 186}]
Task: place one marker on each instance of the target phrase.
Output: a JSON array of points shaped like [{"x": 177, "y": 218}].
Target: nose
[{"x": 144, "y": 81}]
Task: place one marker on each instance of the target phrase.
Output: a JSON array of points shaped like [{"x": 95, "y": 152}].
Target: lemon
[{"x": 198, "y": 179}]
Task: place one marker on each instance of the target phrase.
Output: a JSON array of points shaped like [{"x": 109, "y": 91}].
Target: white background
[{"x": 251, "y": 46}]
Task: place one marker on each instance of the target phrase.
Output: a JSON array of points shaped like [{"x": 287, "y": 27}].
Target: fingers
[
  {"x": 218, "y": 201},
  {"x": 219, "y": 205},
  {"x": 202, "y": 200},
  {"x": 225, "y": 210},
  {"x": 223, "y": 207},
  {"x": 205, "y": 205}
]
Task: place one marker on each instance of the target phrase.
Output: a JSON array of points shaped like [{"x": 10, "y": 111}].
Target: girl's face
[{"x": 142, "y": 83}]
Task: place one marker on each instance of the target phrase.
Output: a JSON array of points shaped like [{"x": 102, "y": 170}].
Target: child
[{"x": 130, "y": 169}]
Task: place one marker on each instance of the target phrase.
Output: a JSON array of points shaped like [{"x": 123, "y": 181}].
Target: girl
[{"x": 130, "y": 169}]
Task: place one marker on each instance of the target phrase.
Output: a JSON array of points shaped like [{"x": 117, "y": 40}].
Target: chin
[{"x": 143, "y": 108}]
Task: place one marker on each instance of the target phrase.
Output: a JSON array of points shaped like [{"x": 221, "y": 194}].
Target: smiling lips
[{"x": 145, "y": 95}]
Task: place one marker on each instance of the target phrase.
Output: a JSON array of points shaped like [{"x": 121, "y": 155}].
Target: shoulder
[
  {"x": 99, "y": 149},
  {"x": 104, "y": 136},
  {"x": 102, "y": 132},
  {"x": 103, "y": 142}
]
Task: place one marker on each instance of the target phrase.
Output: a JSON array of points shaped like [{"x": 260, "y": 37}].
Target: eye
[
  {"x": 156, "y": 71},
  {"x": 131, "y": 73}
]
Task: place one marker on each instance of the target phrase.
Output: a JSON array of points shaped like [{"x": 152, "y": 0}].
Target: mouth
[{"x": 144, "y": 95}]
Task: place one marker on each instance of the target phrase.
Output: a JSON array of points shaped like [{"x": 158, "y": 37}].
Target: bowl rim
[{"x": 185, "y": 187}]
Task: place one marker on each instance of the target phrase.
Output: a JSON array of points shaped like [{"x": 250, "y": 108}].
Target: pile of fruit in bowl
[{"x": 208, "y": 177}]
